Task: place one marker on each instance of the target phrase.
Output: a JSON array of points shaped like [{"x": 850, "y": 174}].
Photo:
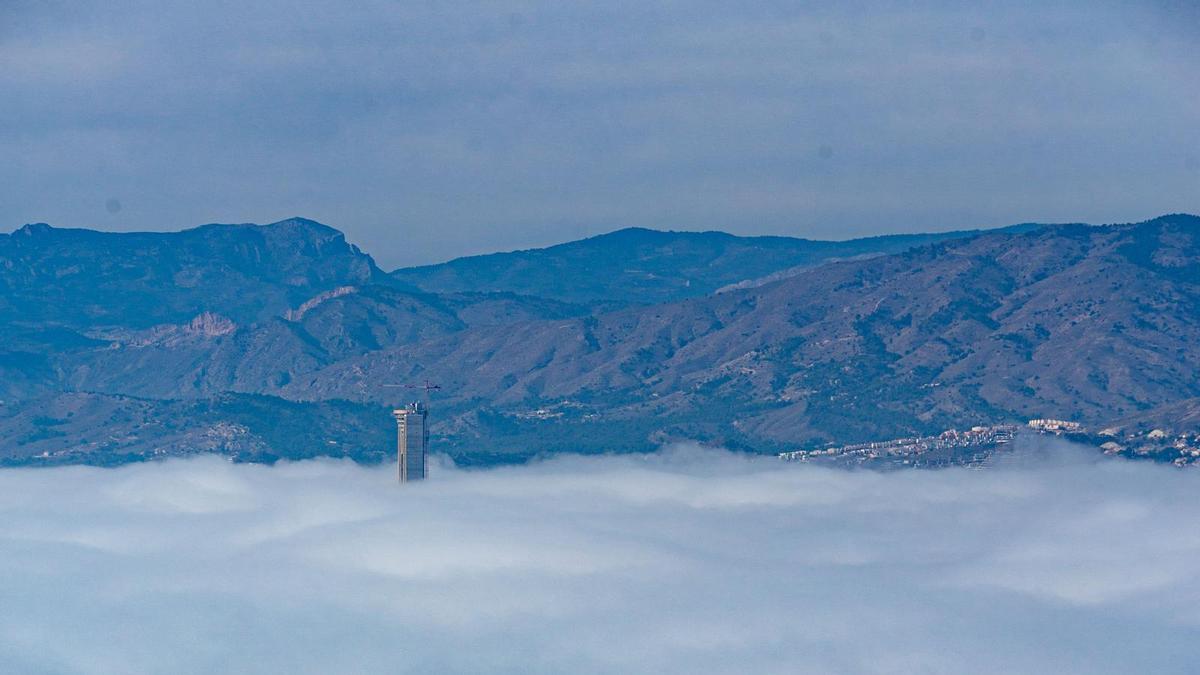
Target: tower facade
[{"x": 412, "y": 440}]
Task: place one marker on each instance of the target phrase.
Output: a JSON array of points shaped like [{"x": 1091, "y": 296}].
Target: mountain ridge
[
  {"x": 1073, "y": 320},
  {"x": 645, "y": 266},
  {"x": 79, "y": 278},
  {"x": 705, "y": 342}
]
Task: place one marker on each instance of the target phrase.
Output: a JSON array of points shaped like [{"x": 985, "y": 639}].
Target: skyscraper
[{"x": 412, "y": 440}]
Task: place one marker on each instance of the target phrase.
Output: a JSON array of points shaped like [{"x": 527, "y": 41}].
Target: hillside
[
  {"x": 1078, "y": 322},
  {"x": 107, "y": 430},
  {"x": 1096, "y": 324},
  {"x": 211, "y": 309},
  {"x": 641, "y": 266}
]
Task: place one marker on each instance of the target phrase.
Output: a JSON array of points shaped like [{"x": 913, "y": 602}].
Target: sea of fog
[{"x": 686, "y": 561}]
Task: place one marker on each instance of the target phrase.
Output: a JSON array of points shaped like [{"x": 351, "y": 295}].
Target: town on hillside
[{"x": 979, "y": 446}]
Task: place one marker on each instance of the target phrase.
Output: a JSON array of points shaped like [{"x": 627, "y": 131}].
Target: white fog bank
[{"x": 688, "y": 561}]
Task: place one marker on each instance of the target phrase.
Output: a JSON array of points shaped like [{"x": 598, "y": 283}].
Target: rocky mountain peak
[
  {"x": 32, "y": 230},
  {"x": 209, "y": 324}
]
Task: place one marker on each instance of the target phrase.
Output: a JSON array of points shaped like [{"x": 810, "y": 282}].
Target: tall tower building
[{"x": 412, "y": 440}]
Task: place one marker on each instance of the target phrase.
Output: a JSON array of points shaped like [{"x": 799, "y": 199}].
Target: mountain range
[{"x": 278, "y": 341}]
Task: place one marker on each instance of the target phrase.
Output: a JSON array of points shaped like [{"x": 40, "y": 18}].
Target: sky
[
  {"x": 428, "y": 130},
  {"x": 686, "y": 561}
]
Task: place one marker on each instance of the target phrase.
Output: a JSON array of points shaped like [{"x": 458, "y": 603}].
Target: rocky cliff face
[{"x": 82, "y": 279}]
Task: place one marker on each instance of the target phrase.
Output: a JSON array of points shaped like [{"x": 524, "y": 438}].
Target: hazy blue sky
[{"x": 432, "y": 129}]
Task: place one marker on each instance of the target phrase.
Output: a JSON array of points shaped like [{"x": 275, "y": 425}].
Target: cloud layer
[
  {"x": 689, "y": 561},
  {"x": 435, "y": 129}
]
